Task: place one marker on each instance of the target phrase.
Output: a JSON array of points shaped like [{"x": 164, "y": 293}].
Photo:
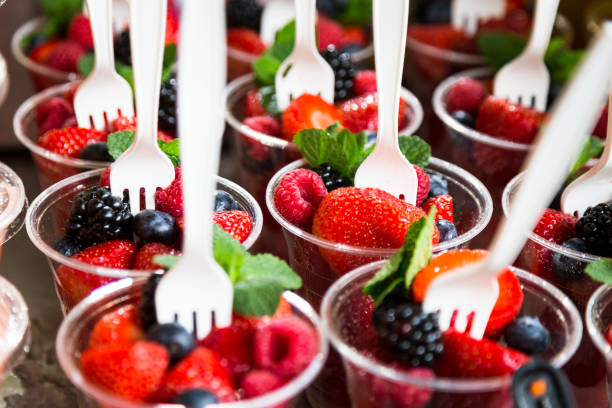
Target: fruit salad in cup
[
  {"x": 13, "y": 204},
  {"x": 113, "y": 348},
  {"x": 396, "y": 356},
  {"x": 91, "y": 237},
  {"x": 343, "y": 25}
]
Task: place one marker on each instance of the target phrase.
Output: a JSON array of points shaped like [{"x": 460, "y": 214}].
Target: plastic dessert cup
[
  {"x": 74, "y": 333},
  {"x": 74, "y": 280},
  {"x": 13, "y": 204},
  {"x": 370, "y": 382},
  {"x": 14, "y": 326},
  {"x": 472, "y": 208},
  {"x": 586, "y": 370},
  {"x": 598, "y": 318},
  {"x": 258, "y": 156},
  {"x": 42, "y": 76}
]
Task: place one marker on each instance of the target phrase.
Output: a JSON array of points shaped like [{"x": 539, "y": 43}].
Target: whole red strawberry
[
  {"x": 52, "y": 113},
  {"x": 298, "y": 196},
  {"x": 144, "y": 257},
  {"x": 466, "y": 94},
  {"x": 79, "y": 31},
  {"x": 506, "y": 120},
  {"x": 236, "y": 223},
  {"x": 133, "y": 372},
  {"x": 245, "y": 40},
  {"x": 308, "y": 112},
  {"x": 69, "y": 141},
  {"x": 361, "y": 113},
  {"x": 65, "y": 56},
  {"x": 170, "y": 199},
  {"x": 444, "y": 207},
  {"x": 119, "y": 326},
  {"x": 556, "y": 226}
]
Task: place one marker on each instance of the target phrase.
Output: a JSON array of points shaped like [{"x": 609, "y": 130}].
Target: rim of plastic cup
[
  {"x": 28, "y": 106},
  {"x": 16, "y": 335},
  {"x": 27, "y": 28},
  {"x": 234, "y": 91},
  {"x": 443, "y": 383},
  {"x": 286, "y": 392},
  {"x": 4, "y": 79},
  {"x": 36, "y": 208},
  {"x": 592, "y": 326},
  {"x": 577, "y": 255},
  {"x": 483, "y": 221},
  {"x": 8, "y": 218}
]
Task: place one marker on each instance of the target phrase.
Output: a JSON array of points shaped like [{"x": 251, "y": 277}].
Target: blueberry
[
  {"x": 438, "y": 185},
  {"x": 96, "y": 152},
  {"x": 351, "y": 48},
  {"x": 196, "y": 398},
  {"x": 528, "y": 335},
  {"x": 175, "y": 338},
  {"x": 155, "y": 226},
  {"x": 566, "y": 267},
  {"x": 464, "y": 118},
  {"x": 224, "y": 201},
  {"x": 433, "y": 11},
  {"x": 447, "y": 230},
  {"x": 67, "y": 246}
]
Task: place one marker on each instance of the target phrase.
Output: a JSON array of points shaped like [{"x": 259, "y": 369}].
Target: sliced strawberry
[
  {"x": 253, "y": 104},
  {"x": 444, "y": 207},
  {"x": 308, "y": 112},
  {"x": 503, "y": 119},
  {"x": 144, "y": 257},
  {"x": 361, "y": 113},
  {"x": 119, "y": 326},
  {"x": 236, "y": 223},
  {"x": 245, "y": 40},
  {"x": 70, "y": 141}
]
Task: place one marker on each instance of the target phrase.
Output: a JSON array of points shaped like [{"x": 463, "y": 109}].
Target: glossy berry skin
[
  {"x": 528, "y": 335},
  {"x": 66, "y": 245},
  {"x": 167, "y": 105},
  {"x": 244, "y": 13},
  {"x": 344, "y": 72},
  {"x": 69, "y": 141},
  {"x": 433, "y": 12},
  {"x": 595, "y": 227},
  {"x": 96, "y": 152},
  {"x": 447, "y": 230},
  {"x": 438, "y": 185},
  {"x": 298, "y": 196},
  {"x": 464, "y": 118},
  {"x": 123, "y": 51},
  {"x": 196, "y": 398},
  {"x": 566, "y": 267},
  {"x": 155, "y": 226},
  {"x": 225, "y": 202},
  {"x": 175, "y": 338},
  {"x": 505, "y": 120},
  {"x": 332, "y": 179},
  {"x": 466, "y": 95}
]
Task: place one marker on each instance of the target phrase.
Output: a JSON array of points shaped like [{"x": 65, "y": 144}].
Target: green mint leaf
[
  {"x": 591, "y": 148},
  {"x": 172, "y": 150},
  {"x": 119, "y": 142},
  {"x": 387, "y": 278},
  {"x": 283, "y": 42},
  {"x": 499, "y": 48},
  {"x": 229, "y": 253},
  {"x": 563, "y": 64},
  {"x": 267, "y": 94},
  {"x": 600, "y": 271},
  {"x": 170, "y": 52},
  {"x": 85, "y": 64},
  {"x": 257, "y": 297},
  {"x": 166, "y": 261},
  {"x": 269, "y": 266},
  {"x": 126, "y": 72},
  {"x": 358, "y": 12},
  {"x": 312, "y": 144},
  {"x": 416, "y": 150},
  {"x": 265, "y": 68},
  {"x": 61, "y": 10},
  {"x": 267, "y": 64}
]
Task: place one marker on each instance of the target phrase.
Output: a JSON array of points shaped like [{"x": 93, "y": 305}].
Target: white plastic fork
[
  {"x": 276, "y": 14},
  {"x": 387, "y": 168},
  {"x": 305, "y": 70},
  {"x": 466, "y": 14},
  {"x": 104, "y": 95},
  {"x": 144, "y": 165},
  {"x": 473, "y": 288},
  {"x": 197, "y": 287},
  {"x": 121, "y": 14},
  {"x": 594, "y": 186},
  {"x": 525, "y": 80}
]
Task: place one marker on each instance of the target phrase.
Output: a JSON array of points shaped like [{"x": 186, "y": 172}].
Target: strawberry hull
[
  {"x": 598, "y": 318},
  {"x": 374, "y": 381}
]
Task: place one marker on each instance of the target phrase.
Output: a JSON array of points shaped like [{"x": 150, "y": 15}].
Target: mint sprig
[
  {"x": 600, "y": 271},
  {"x": 61, "y": 12},
  {"x": 119, "y": 142},
  {"x": 592, "y": 148},
  {"x": 404, "y": 265},
  {"x": 357, "y": 12},
  {"x": 267, "y": 64},
  {"x": 258, "y": 280}
]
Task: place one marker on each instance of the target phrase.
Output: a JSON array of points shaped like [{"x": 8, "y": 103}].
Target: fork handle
[
  {"x": 543, "y": 22},
  {"x": 306, "y": 14},
  {"x": 147, "y": 33},
  {"x": 555, "y": 149},
  {"x": 101, "y": 20}
]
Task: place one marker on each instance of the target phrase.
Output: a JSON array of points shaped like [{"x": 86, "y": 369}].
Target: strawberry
[
  {"x": 144, "y": 258},
  {"x": 79, "y": 31},
  {"x": 172, "y": 28},
  {"x": 52, "y": 113},
  {"x": 353, "y": 35},
  {"x": 365, "y": 82},
  {"x": 170, "y": 199},
  {"x": 119, "y": 326},
  {"x": 125, "y": 123},
  {"x": 40, "y": 53},
  {"x": 133, "y": 372},
  {"x": 69, "y": 141},
  {"x": 298, "y": 196},
  {"x": 466, "y": 94},
  {"x": 423, "y": 186},
  {"x": 609, "y": 335},
  {"x": 556, "y": 226},
  {"x": 201, "y": 369},
  {"x": 444, "y": 207},
  {"x": 65, "y": 56},
  {"x": 265, "y": 124},
  {"x": 466, "y": 357},
  {"x": 361, "y": 113},
  {"x": 308, "y": 112},
  {"x": 329, "y": 33},
  {"x": 364, "y": 217},
  {"x": 510, "y": 296},
  {"x": 253, "y": 106},
  {"x": 506, "y": 120},
  {"x": 245, "y": 40},
  {"x": 236, "y": 223}
]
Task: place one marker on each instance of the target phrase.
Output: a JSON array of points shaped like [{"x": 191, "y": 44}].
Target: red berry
[
  {"x": 365, "y": 82},
  {"x": 105, "y": 178},
  {"x": 361, "y": 113},
  {"x": 442, "y": 36},
  {"x": 556, "y": 226},
  {"x": 246, "y": 40},
  {"x": 40, "y": 53},
  {"x": 144, "y": 257},
  {"x": 423, "y": 188},
  {"x": 253, "y": 104},
  {"x": 601, "y": 128},
  {"x": 65, "y": 56},
  {"x": 69, "y": 141},
  {"x": 265, "y": 124},
  {"x": 236, "y": 223},
  {"x": 69, "y": 94},
  {"x": 517, "y": 21},
  {"x": 79, "y": 31},
  {"x": 298, "y": 196},
  {"x": 354, "y": 35},
  {"x": 52, "y": 113},
  {"x": 285, "y": 346},
  {"x": 133, "y": 372},
  {"x": 170, "y": 199},
  {"x": 260, "y": 382},
  {"x": 444, "y": 207},
  {"x": 506, "y": 120},
  {"x": 402, "y": 395},
  {"x": 466, "y": 94},
  {"x": 119, "y": 326},
  {"x": 125, "y": 123},
  {"x": 308, "y": 112},
  {"x": 609, "y": 334},
  {"x": 172, "y": 28},
  {"x": 329, "y": 33}
]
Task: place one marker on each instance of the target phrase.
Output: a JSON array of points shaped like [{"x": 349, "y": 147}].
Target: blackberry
[
  {"x": 123, "y": 50},
  {"x": 331, "y": 8},
  {"x": 167, "y": 105},
  {"x": 146, "y": 310},
  {"x": 413, "y": 336},
  {"x": 244, "y": 13},
  {"x": 97, "y": 216},
  {"x": 595, "y": 227},
  {"x": 331, "y": 178},
  {"x": 344, "y": 72}
]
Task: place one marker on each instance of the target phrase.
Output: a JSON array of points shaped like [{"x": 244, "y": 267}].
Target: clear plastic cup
[
  {"x": 372, "y": 383},
  {"x": 586, "y": 371},
  {"x": 42, "y": 76},
  {"x": 308, "y": 253},
  {"x": 74, "y": 332},
  {"x": 598, "y": 318},
  {"x": 258, "y": 156},
  {"x": 13, "y": 204},
  {"x": 14, "y": 326},
  {"x": 74, "y": 280}
]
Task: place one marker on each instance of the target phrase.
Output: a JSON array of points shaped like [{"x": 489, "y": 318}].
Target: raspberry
[
  {"x": 65, "y": 56},
  {"x": 170, "y": 199},
  {"x": 423, "y": 188},
  {"x": 298, "y": 196},
  {"x": 253, "y": 104},
  {"x": 105, "y": 178},
  {"x": 466, "y": 95},
  {"x": 260, "y": 382},
  {"x": 285, "y": 346},
  {"x": 264, "y": 124},
  {"x": 80, "y": 31},
  {"x": 329, "y": 33},
  {"x": 52, "y": 113},
  {"x": 365, "y": 82},
  {"x": 402, "y": 395}
]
